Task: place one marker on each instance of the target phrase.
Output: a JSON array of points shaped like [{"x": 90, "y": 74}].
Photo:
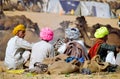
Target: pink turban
[{"x": 46, "y": 34}]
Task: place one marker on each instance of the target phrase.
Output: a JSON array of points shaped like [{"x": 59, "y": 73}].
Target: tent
[
  {"x": 80, "y": 8},
  {"x": 91, "y": 8},
  {"x": 69, "y": 5},
  {"x": 62, "y": 6},
  {"x": 54, "y": 6}
]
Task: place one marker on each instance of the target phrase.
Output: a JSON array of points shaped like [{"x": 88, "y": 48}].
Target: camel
[
  {"x": 32, "y": 31},
  {"x": 113, "y": 37},
  {"x": 36, "y": 7},
  {"x": 8, "y": 5},
  {"x": 1, "y": 10},
  {"x": 26, "y": 4},
  {"x": 3, "y": 43},
  {"x": 8, "y": 22},
  {"x": 59, "y": 34},
  {"x": 110, "y": 28},
  {"x": 115, "y": 6}
]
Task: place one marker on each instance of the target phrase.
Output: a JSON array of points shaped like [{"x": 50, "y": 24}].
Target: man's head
[
  {"x": 72, "y": 33},
  {"x": 46, "y": 34},
  {"x": 19, "y": 30},
  {"x": 101, "y": 32}
]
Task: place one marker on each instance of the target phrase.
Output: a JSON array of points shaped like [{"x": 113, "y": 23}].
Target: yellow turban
[
  {"x": 18, "y": 28},
  {"x": 101, "y": 32}
]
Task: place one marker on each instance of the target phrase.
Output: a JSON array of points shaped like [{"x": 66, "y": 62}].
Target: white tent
[
  {"x": 62, "y": 6},
  {"x": 54, "y": 6},
  {"x": 84, "y": 8},
  {"x": 91, "y": 8}
]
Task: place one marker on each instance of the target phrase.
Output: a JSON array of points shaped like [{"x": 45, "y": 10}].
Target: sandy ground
[{"x": 53, "y": 20}]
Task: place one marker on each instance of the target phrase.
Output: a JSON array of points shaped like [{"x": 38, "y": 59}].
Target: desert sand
[{"x": 53, "y": 20}]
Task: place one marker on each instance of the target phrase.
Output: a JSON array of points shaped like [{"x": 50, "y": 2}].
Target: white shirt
[
  {"x": 12, "y": 57},
  {"x": 40, "y": 50}
]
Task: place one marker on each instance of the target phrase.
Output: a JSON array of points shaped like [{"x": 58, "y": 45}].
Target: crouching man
[{"x": 17, "y": 50}]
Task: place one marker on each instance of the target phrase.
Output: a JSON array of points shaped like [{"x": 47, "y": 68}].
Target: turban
[
  {"x": 101, "y": 32},
  {"x": 46, "y": 34},
  {"x": 72, "y": 33},
  {"x": 18, "y": 28}
]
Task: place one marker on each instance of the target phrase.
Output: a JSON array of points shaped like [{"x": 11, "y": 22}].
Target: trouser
[
  {"x": 18, "y": 60},
  {"x": 110, "y": 57},
  {"x": 118, "y": 59}
]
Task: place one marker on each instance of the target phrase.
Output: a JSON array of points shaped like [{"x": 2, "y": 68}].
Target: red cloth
[{"x": 93, "y": 50}]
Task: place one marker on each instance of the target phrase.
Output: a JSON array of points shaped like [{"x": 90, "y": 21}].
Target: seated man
[
  {"x": 107, "y": 52},
  {"x": 73, "y": 47},
  {"x": 42, "y": 49},
  {"x": 17, "y": 51}
]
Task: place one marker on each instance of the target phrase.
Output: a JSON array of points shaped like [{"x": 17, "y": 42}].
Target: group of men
[{"x": 19, "y": 51}]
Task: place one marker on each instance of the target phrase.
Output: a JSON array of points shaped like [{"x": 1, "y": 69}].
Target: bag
[
  {"x": 75, "y": 49},
  {"x": 52, "y": 60},
  {"x": 94, "y": 65},
  {"x": 62, "y": 67}
]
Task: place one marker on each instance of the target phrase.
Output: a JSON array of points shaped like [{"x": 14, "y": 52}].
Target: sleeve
[
  {"x": 23, "y": 43},
  {"x": 62, "y": 49},
  {"x": 51, "y": 52},
  {"x": 108, "y": 47}
]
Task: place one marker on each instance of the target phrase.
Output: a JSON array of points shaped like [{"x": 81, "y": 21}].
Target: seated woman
[
  {"x": 107, "y": 52},
  {"x": 17, "y": 51}
]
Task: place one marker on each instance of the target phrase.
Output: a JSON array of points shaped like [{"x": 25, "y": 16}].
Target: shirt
[
  {"x": 40, "y": 50},
  {"x": 12, "y": 54}
]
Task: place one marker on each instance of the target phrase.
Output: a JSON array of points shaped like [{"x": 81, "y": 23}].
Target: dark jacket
[{"x": 103, "y": 50}]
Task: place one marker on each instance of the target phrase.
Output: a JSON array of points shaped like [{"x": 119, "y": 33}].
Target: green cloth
[{"x": 101, "y": 32}]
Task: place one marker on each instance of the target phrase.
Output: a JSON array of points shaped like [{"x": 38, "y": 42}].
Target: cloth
[
  {"x": 69, "y": 59},
  {"x": 16, "y": 53},
  {"x": 18, "y": 28},
  {"x": 118, "y": 59},
  {"x": 101, "y": 32},
  {"x": 40, "y": 51},
  {"x": 46, "y": 34},
  {"x": 75, "y": 49},
  {"x": 72, "y": 33},
  {"x": 93, "y": 50},
  {"x": 20, "y": 71},
  {"x": 62, "y": 48},
  {"x": 110, "y": 57},
  {"x": 103, "y": 50}
]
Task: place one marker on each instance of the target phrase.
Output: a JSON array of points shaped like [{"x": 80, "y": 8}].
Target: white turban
[{"x": 72, "y": 33}]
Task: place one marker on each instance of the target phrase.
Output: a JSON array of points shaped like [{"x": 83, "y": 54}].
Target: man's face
[{"x": 21, "y": 33}]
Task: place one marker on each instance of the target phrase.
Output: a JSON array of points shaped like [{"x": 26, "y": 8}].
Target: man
[
  {"x": 74, "y": 47},
  {"x": 17, "y": 50},
  {"x": 42, "y": 49},
  {"x": 107, "y": 52}
]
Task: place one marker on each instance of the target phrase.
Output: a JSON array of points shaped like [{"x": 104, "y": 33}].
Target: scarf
[{"x": 93, "y": 50}]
